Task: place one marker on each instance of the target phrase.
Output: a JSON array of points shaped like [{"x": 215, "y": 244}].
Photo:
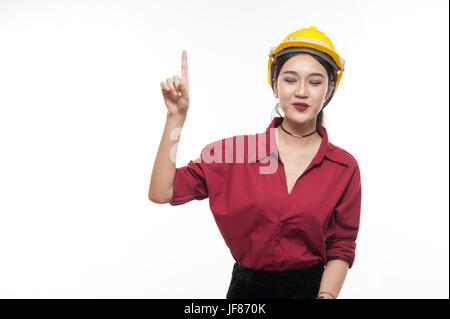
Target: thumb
[{"x": 182, "y": 87}]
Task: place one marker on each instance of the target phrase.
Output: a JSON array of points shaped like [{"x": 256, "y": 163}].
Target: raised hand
[{"x": 176, "y": 90}]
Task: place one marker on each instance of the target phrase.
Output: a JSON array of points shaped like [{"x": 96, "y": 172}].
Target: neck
[{"x": 298, "y": 129}]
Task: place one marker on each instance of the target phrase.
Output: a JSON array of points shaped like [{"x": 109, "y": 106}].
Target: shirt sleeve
[
  {"x": 189, "y": 183},
  {"x": 343, "y": 231}
]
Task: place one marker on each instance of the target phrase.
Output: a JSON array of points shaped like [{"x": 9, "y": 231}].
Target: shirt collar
[{"x": 326, "y": 148}]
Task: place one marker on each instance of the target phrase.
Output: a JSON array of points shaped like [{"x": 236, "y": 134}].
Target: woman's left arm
[
  {"x": 341, "y": 237},
  {"x": 333, "y": 278}
]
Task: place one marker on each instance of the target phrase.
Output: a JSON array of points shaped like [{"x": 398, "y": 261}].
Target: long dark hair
[{"x": 275, "y": 71}]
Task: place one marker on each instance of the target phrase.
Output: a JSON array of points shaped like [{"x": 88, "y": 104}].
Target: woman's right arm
[
  {"x": 176, "y": 97},
  {"x": 161, "y": 183}
]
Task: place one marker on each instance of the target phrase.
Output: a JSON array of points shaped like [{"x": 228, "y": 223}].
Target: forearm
[
  {"x": 163, "y": 172},
  {"x": 333, "y": 277}
]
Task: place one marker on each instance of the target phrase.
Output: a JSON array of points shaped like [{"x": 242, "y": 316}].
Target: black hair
[{"x": 275, "y": 71}]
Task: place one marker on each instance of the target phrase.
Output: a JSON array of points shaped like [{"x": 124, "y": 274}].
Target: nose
[{"x": 301, "y": 89}]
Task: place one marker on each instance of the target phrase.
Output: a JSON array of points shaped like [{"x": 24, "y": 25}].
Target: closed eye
[{"x": 315, "y": 83}]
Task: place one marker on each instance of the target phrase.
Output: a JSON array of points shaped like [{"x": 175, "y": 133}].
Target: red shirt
[{"x": 263, "y": 226}]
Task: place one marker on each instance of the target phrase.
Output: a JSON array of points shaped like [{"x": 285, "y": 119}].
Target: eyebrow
[{"x": 293, "y": 72}]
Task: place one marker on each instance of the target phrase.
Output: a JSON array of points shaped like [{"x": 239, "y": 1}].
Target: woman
[{"x": 291, "y": 226}]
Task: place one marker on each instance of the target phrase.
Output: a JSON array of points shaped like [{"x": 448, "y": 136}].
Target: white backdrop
[{"x": 81, "y": 119}]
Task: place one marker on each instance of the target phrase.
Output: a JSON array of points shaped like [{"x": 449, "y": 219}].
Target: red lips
[{"x": 301, "y": 104}]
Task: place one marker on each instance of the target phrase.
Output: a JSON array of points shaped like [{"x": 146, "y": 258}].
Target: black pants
[{"x": 247, "y": 283}]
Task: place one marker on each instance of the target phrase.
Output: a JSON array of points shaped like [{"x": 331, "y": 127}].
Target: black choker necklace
[{"x": 295, "y": 134}]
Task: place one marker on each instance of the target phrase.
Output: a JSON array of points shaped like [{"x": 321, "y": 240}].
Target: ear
[
  {"x": 330, "y": 90},
  {"x": 275, "y": 88}
]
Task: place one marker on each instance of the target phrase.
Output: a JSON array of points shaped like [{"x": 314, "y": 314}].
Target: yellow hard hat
[{"x": 309, "y": 40}]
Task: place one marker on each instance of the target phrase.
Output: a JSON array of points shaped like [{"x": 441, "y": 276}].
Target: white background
[{"x": 82, "y": 116}]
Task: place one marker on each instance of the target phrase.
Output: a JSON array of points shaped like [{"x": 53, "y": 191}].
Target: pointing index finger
[{"x": 184, "y": 67}]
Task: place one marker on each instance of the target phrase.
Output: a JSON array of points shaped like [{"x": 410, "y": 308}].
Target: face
[{"x": 302, "y": 79}]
